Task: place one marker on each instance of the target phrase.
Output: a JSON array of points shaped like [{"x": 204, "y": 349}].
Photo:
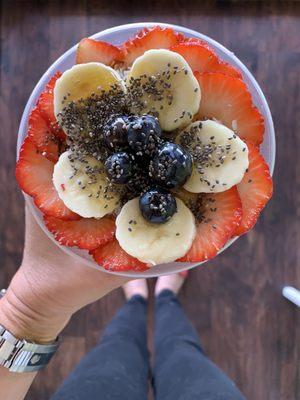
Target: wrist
[{"x": 20, "y": 316}]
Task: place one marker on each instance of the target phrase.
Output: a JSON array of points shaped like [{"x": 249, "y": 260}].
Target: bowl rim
[{"x": 140, "y": 25}]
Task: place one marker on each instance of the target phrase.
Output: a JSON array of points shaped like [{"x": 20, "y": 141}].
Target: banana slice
[
  {"x": 162, "y": 82},
  {"x": 84, "y": 187},
  {"x": 80, "y": 81},
  {"x": 220, "y": 156},
  {"x": 155, "y": 243}
]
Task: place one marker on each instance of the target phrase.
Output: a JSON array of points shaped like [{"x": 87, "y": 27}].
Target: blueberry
[
  {"x": 115, "y": 133},
  {"x": 157, "y": 205},
  {"x": 143, "y": 134},
  {"x": 119, "y": 167},
  {"x": 171, "y": 166}
]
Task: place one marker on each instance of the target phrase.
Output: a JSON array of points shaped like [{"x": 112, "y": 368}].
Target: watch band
[{"x": 19, "y": 355}]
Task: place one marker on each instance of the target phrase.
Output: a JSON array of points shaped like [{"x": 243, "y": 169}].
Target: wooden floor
[{"x": 235, "y": 302}]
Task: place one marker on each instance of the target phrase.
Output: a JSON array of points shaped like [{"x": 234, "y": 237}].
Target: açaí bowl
[{"x": 116, "y": 36}]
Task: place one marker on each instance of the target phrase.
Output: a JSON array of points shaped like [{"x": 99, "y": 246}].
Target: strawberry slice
[
  {"x": 156, "y": 37},
  {"x": 228, "y": 100},
  {"x": 227, "y": 69},
  {"x": 90, "y": 50},
  {"x": 50, "y": 85},
  {"x": 86, "y": 233},
  {"x": 113, "y": 258},
  {"x": 203, "y": 59},
  {"x": 34, "y": 175},
  {"x": 41, "y": 135},
  {"x": 220, "y": 216},
  {"x": 32, "y": 169},
  {"x": 195, "y": 40},
  {"x": 46, "y": 106},
  {"x": 50, "y": 204},
  {"x": 199, "y": 57},
  {"x": 255, "y": 189}
]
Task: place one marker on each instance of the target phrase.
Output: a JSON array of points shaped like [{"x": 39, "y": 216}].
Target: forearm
[
  {"x": 23, "y": 322},
  {"x": 14, "y": 386}
]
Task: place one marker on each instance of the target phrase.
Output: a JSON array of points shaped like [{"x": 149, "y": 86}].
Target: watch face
[{"x": 39, "y": 359}]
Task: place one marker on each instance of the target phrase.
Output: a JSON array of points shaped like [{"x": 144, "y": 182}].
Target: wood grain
[{"x": 235, "y": 301}]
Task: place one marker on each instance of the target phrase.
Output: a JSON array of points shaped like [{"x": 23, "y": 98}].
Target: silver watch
[{"x": 19, "y": 355}]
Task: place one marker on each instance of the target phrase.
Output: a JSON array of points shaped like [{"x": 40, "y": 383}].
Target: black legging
[{"x": 118, "y": 367}]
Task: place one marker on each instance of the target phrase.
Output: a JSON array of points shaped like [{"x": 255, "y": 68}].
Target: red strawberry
[
  {"x": 227, "y": 99},
  {"x": 86, "y": 233},
  {"x": 90, "y": 50},
  {"x": 50, "y": 85},
  {"x": 46, "y": 106},
  {"x": 113, "y": 258},
  {"x": 220, "y": 218},
  {"x": 41, "y": 135},
  {"x": 202, "y": 59},
  {"x": 34, "y": 175},
  {"x": 50, "y": 204},
  {"x": 199, "y": 57},
  {"x": 226, "y": 69},
  {"x": 156, "y": 37},
  {"x": 255, "y": 190},
  {"x": 195, "y": 40}
]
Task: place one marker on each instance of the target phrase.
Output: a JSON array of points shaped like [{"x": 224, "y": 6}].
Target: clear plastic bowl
[{"x": 116, "y": 36}]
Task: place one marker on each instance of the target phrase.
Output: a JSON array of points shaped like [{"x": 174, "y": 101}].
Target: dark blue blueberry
[
  {"x": 115, "y": 133},
  {"x": 171, "y": 166},
  {"x": 157, "y": 205},
  {"x": 119, "y": 167},
  {"x": 143, "y": 134}
]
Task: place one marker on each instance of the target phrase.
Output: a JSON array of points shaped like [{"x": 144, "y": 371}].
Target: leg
[
  {"x": 118, "y": 367},
  {"x": 182, "y": 371}
]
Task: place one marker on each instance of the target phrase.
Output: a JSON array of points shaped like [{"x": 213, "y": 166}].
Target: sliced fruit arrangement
[
  {"x": 201, "y": 58},
  {"x": 42, "y": 136},
  {"x": 255, "y": 189},
  {"x": 220, "y": 156},
  {"x": 112, "y": 257},
  {"x": 90, "y": 50},
  {"x": 86, "y": 233},
  {"x": 220, "y": 215},
  {"x": 46, "y": 106},
  {"x": 34, "y": 175},
  {"x": 146, "y": 153},
  {"x": 81, "y": 81},
  {"x": 161, "y": 76},
  {"x": 150, "y": 240},
  {"x": 227, "y": 99},
  {"x": 83, "y": 186},
  {"x": 149, "y": 38}
]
